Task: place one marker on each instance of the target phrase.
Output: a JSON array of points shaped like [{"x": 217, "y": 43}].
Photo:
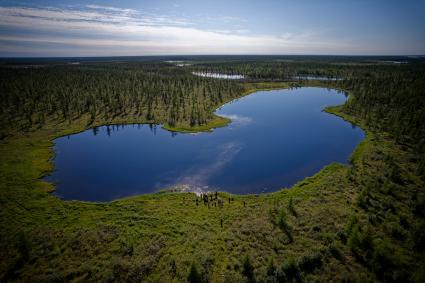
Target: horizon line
[{"x": 215, "y": 55}]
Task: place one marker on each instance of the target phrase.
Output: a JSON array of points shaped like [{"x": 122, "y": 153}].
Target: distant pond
[
  {"x": 276, "y": 139},
  {"x": 218, "y": 75},
  {"x": 316, "y": 78}
]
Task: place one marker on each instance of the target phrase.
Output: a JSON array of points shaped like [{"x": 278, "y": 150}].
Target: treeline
[
  {"x": 387, "y": 96},
  {"x": 288, "y": 68},
  {"x": 273, "y": 70},
  {"x": 392, "y": 101},
  {"x": 154, "y": 91}
]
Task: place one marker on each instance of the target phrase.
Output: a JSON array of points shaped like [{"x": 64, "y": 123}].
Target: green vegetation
[
  {"x": 358, "y": 223},
  {"x": 215, "y": 122}
]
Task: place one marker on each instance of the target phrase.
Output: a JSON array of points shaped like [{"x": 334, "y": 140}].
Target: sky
[{"x": 44, "y": 28}]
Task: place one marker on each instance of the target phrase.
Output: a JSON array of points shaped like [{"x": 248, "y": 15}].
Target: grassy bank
[{"x": 311, "y": 232}]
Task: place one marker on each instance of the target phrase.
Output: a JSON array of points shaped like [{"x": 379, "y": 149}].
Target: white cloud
[
  {"x": 108, "y": 8},
  {"x": 197, "y": 177},
  {"x": 142, "y": 33}
]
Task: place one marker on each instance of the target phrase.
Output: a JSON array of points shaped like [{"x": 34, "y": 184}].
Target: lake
[
  {"x": 316, "y": 78},
  {"x": 276, "y": 139},
  {"x": 218, "y": 76}
]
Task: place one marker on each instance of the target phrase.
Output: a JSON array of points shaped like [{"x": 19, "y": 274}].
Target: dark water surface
[{"x": 276, "y": 139}]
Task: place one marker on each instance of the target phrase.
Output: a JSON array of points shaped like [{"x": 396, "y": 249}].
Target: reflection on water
[{"x": 276, "y": 138}]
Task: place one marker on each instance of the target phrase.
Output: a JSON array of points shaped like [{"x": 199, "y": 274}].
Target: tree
[
  {"x": 194, "y": 276},
  {"x": 248, "y": 270}
]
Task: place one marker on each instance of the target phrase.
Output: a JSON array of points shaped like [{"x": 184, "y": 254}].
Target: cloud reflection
[
  {"x": 196, "y": 178},
  {"x": 237, "y": 119}
]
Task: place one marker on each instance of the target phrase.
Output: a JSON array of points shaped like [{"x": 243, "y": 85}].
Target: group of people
[{"x": 213, "y": 199}]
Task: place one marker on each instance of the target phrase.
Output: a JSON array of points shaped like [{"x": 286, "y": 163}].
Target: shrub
[
  {"x": 291, "y": 207},
  {"x": 248, "y": 270},
  {"x": 419, "y": 275},
  {"x": 419, "y": 208},
  {"x": 383, "y": 260},
  {"x": 310, "y": 262},
  {"x": 342, "y": 236},
  {"x": 284, "y": 226},
  {"x": 271, "y": 268},
  {"x": 23, "y": 246},
  {"x": 419, "y": 236},
  {"x": 351, "y": 223},
  {"x": 291, "y": 270},
  {"x": 360, "y": 242},
  {"x": 335, "y": 250},
  {"x": 194, "y": 276}
]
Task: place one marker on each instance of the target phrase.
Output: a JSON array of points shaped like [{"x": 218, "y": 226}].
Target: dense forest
[
  {"x": 361, "y": 223},
  {"x": 153, "y": 90}
]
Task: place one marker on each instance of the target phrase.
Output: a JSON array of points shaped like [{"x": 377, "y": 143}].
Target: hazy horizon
[
  {"x": 218, "y": 55},
  {"x": 92, "y": 28}
]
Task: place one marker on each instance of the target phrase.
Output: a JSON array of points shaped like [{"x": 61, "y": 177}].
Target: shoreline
[{"x": 218, "y": 122}]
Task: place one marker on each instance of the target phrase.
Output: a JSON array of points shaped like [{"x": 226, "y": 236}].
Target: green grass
[
  {"x": 216, "y": 122},
  {"x": 158, "y": 237}
]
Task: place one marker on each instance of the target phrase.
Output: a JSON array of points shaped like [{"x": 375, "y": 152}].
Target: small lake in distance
[
  {"x": 218, "y": 75},
  {"x": 276, "y": 139}
]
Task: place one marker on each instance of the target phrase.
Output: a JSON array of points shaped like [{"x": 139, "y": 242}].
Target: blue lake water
[{"x": 276, "y": 139}]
